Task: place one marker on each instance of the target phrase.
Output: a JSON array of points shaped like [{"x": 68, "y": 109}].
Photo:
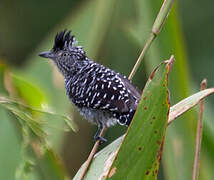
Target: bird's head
[{"x": 64, "y": 52}]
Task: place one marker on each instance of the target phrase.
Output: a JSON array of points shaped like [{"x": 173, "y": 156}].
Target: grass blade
[{"x": 188, "y": 103}]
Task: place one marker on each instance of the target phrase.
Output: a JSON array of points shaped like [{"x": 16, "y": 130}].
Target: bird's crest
[{"x": 64, "y": 40}]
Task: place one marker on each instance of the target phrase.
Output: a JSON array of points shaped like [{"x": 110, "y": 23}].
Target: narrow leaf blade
[{"x": 188, "y": 103}]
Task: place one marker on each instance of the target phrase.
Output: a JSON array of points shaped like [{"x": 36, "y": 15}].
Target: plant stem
[
  {"x": 162, "y": 15},
  {"x": 199, "y": 134},
  {"x": 156, "y": 28},
  {"x": 142, "y": 54},
  {"x": 91, "y": 155}
]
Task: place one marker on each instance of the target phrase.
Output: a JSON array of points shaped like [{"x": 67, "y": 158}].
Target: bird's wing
[
  {"x": 114, "y": 94},
  {"x": 133, "y": 90},
  {"x": 102, "y": 88}
]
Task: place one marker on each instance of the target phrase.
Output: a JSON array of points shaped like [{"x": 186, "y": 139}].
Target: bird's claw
[{"x": 100, "y": 138}]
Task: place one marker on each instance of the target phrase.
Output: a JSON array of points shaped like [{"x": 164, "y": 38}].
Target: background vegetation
[{"x": 112, "y": 33}]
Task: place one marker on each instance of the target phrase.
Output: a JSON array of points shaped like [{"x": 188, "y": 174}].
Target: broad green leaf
[{"x": 142, "y": 145}]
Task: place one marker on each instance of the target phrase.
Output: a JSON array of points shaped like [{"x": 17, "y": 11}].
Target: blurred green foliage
[{"x": 113, "y": 33}]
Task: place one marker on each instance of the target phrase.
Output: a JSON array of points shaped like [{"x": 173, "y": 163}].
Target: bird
[{"x": 103, "y": 96}]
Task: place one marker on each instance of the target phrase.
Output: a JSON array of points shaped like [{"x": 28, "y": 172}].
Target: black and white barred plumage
[{"x": 102, "y": 96}]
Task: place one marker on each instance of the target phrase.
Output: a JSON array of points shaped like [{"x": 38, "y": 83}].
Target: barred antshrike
[{"x": 101, "y": 95}]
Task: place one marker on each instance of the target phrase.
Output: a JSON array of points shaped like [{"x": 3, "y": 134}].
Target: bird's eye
[{"x": 65, "y": 54}]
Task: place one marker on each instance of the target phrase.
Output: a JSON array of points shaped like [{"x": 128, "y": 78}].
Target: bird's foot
[{"x": 100, "y": 138}]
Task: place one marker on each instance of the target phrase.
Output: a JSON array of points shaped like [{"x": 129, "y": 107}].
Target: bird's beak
[{"x": 46, "y": 54}]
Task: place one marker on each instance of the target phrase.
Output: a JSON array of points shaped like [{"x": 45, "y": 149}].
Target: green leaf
[
  {"x": 188, "y": 103},
  {"x": 102, "y": 161},
  {"x": 142, "y": 146},
  {"x": 28, "y": 91}
]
